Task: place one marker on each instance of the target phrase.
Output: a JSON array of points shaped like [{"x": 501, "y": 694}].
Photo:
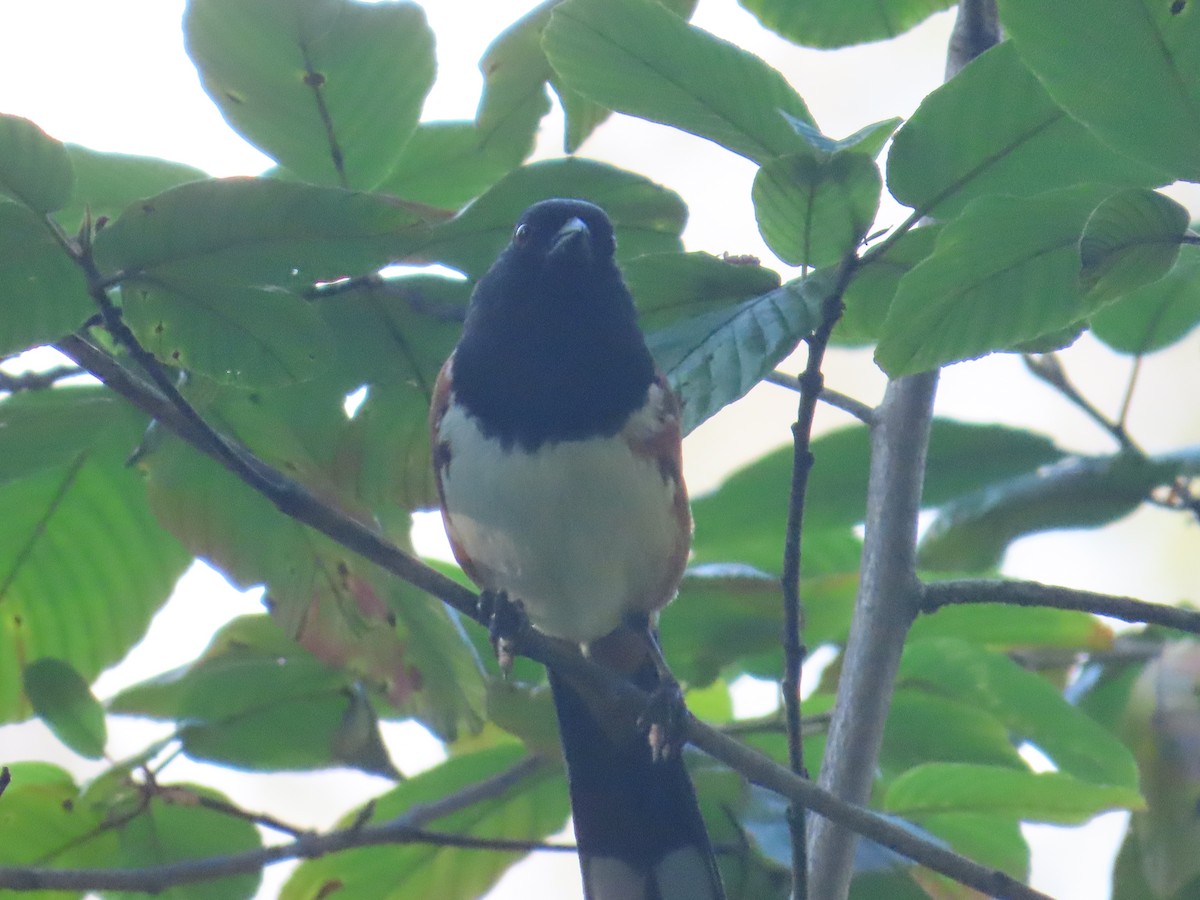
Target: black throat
[{"x": 551, "y": 356}]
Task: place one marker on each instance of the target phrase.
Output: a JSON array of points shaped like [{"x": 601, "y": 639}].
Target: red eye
[{"x": 522, "y": 235}]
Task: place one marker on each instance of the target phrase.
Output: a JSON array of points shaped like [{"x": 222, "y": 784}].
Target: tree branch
[
  {"x": 938, "y": 594},
  {"x": 774, "y": 777},
  {"x": 405, "y": 829},
  {"x": 889, "y": 594},
  {"x": 811, "y": 382},
  {"x": 1048, "y": 369},
  {"x": 864, "y": 412},
  {"x": 37, "y": 381}
]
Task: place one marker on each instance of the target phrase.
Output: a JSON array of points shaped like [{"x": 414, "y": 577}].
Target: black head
[
  {"x": 551, "y": 349},
  {"x": 561, "y": 236}
]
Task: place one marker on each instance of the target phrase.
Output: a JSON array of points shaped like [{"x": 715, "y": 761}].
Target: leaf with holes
[
  {"x": 329, "y": 88},
  {"x": 106, "y": 183},
  {"x": 407, "y": 647},
  {"x": 258, "y": 231}
]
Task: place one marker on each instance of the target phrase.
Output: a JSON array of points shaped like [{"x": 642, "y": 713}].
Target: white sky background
[{"x": 113, "y": 75}]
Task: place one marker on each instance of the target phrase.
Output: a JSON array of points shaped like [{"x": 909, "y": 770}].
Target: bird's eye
[{"x": 522, "y": 234}]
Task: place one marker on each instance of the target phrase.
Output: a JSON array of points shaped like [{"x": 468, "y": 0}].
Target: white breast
[{"x": 579, "y": 531}]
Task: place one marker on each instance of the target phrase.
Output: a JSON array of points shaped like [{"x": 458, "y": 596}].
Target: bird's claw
[
  {"x": 665, "y": 720},
  {"x": 507, "y": 623}
]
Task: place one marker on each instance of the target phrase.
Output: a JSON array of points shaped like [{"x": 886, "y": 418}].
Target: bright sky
[{"x": 114, "y": 76}]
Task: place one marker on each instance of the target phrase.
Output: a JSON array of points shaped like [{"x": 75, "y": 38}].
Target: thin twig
[
  {"x": 236, "y": 812},
  {"x": 794, "y": 651},
  {"x": 864, "y": 412},
  {"x": 1130, "y": 386},
  {"x": 938, "y": 594},
  {"x": 37, "y": 381},
  {"x": 405, "y": 829},
  {"x": 1048, "y": 369}
]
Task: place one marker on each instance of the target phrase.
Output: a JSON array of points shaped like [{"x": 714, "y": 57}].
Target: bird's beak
[{"x": 572, "y": 233}]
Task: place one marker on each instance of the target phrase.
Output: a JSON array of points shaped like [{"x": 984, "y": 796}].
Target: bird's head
[{"x": 562, "y": 235}]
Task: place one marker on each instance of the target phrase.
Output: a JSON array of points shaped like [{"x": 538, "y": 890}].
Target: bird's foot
[
  {"x": 665, "y": 720},
  {"x": 507, "y": 624}
]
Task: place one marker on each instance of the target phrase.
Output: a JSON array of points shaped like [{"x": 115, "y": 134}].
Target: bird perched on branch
[{"x": 556, "y": 447}]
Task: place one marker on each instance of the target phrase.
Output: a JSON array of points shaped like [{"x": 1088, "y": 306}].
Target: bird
[{"x": 556, "y": 448}]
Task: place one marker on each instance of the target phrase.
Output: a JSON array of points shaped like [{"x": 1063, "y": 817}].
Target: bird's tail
[{"x": 637, "y": 823}]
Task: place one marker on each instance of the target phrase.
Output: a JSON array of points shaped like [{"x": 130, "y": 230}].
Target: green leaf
[
  {"x": 43, "y": 295},
  {"x": 1127, "y": 72},
  {"x": 971, "y": 534},
  {"x": 869, "y": 294},
  {"x": 647, "y": 217},
  {"x": 256, "y": 700},
  {"x": 812, "y": 211},
  {"x": 448, "y": 163},
  {"x": 530, "y": 809},
  {"x": 636, "y": 57},
  {"x": 1005, "y": 271},
  {"x": 62, "y": 699},
  {"x": 670, "y": 286},
  {"x": 728, "y": 616},
  {"x": 106, "y": 183},
  {"x": 1006, "y": 628},
  {"x": 329, "y": 88},
  {"x": 1156, "y": 315},
  {"x": 83, "y": 563},
  {"x": 839, "y": 23},
  {"x": 172, "y": 828},
  {"x": 43, "y": 817},
  {"x": 1025, "y": 703},
  {"x": 993, "y": 129},
  {"x": 868, "y": 140},
  {"x": 988, "y": 839},
  {"x": 344, "y": 610},
  {"x": 940, "y": 788},
  {"x": 923, "y": 727},
  {"x": 714, "y": 358},
  {"x": 1131, "y": 239},
  {"x": 34, "y": 168},
  {"x": 234, "y": 334},
  {"x": 392, "y": 335},
  {"x": 258, "y": 231}
]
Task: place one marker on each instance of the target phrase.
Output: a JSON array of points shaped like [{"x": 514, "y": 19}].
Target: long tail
[{"x": 637, "y": 822}]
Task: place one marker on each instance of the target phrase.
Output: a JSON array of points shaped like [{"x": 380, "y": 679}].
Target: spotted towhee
[{"x": 556, "y": 446}]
